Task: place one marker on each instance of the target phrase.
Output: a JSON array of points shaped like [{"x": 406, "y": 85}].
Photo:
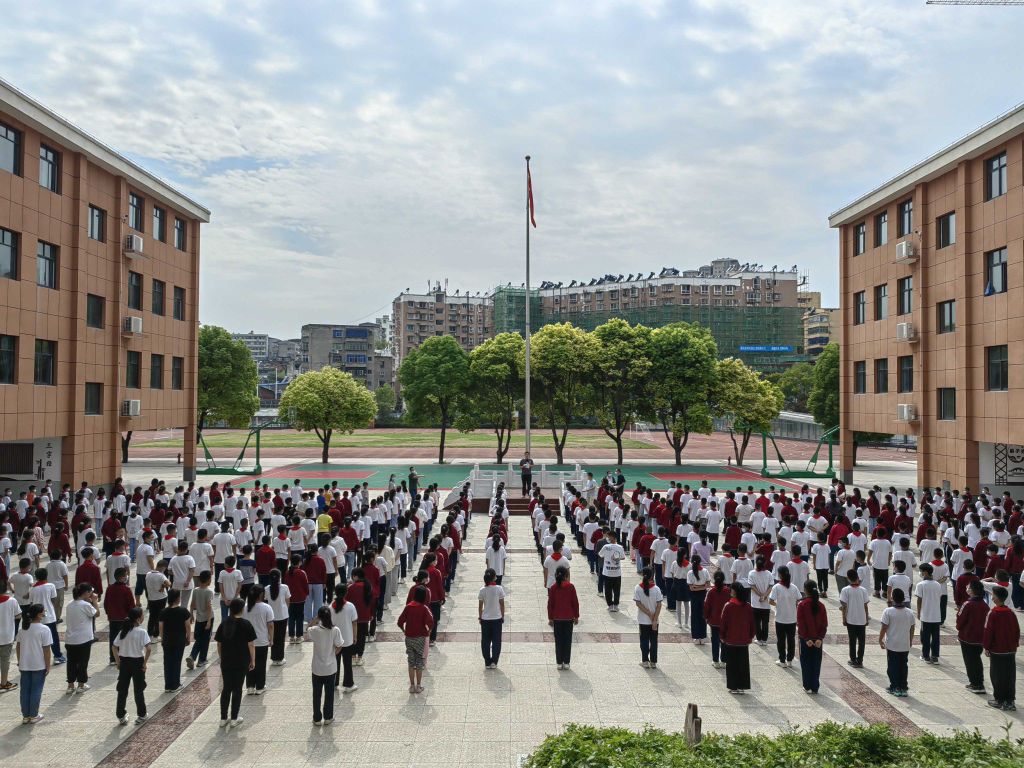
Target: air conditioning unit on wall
[
  {"x": 906, "y": 252},
  {"x": 906, "y": 412},
  {"x": 906, "y": 332},
  {"x": 133, "y": 245},
  {"x": 132, "y": 325},
  {"x": 131, "y": 408}
]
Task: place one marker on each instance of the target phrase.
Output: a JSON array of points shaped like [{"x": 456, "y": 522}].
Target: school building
[
  {"x": 932, "y": 298},
  {"x": 99, "y": 298}
]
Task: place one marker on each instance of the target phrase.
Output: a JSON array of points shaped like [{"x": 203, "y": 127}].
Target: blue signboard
[{"x": 765, "y": 348}]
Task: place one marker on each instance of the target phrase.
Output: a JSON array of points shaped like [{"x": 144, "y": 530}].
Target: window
[
  {"x": 179, "y": 234},
  {"x": 947, "y": 316},
  {"x": 134, "y": 290},
  {"x": 156, "y": 371},
  {"x": 49, "y": 169},
  {"x": 8, "y": 359},
  {"x": 177, "y": 372},
  {"x": 179, "y": 303},
  {"x": 995, "y": 176},
  {"x": 905, "y": 222},
  {"x": 859, "y": 239},
  {"x": 46, "y": 265},
  {"x": 860, "y": 377},
  {"x": 160, "y": 224},
  {"x": 945, "y": 234},
  {"x": 881, "y": 228},
  {"x": 8, "y": 254},
  {"x": 93, "y": 398},
  {"x": 995, "y": 271},
  {"x": 881, "y": 301},
  {"x": 904, "y": 296},
  {"x": 135, "y": 207},
  {"x": 10, "y": 150},
  {"x": 997, "y": 369},
  {"x": 859, "y": 308},
  {"x": 947, "y": 403},
  {"x": 94, "y": 306},
  {"x": 159, "y": 293},
  {"x": 905, "y": 373},
  {"x": 97, "y": 223},
  {"x": 133, "y": 370},
  {"x": 882, "y": 375},
  {"x": 46, "y": 362}
]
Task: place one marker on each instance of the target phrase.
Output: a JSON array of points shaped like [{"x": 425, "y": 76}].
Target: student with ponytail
[
  {"x": 261, "y": 617},
  {"x": 698, "y": 578},
  {"x": 737, "y": 632},
  {"x": 360, "y": 593},
  {"x": 277, "y": 597},
  {"x": 327, "y": 644},
  {"x": 132, "y": 647},
  {"x": 648, "y": 599},
  {"x": 236, "y": 647},
  {"x": 563, "y": 615},
  {"x": 784, "y": 598},
  {"x": 812, "y": 624},
  {"x": 345, "y": 617},
  {"x": 416, "y": 621},
  {"x": 34, "y": 658}
]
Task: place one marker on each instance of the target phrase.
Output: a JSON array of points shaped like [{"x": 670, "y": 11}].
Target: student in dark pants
[
  {"x": 131, "y": 653},
  {"x": 175, "y": 636},
  {"x": 491, "y": 613},
  {"x": 970, "y": 627},
  {"x": 1002, "y": 636},
  {"x": 738, "y": 631},
  {"x": 563, "y": 615},
  {"x": 236, "y": 648},
  {"x": 811, "y": 626}
]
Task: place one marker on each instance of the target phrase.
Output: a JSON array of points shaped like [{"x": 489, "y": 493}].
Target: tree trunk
[
  {"x": 743, "y": 447},
  {"x": 554, "y": 441},
  {"x": 200, "y": 423},
  {"x": 326, "y": 440},
  {"x": 618, "y": 445},
  {"x": 125, "y": 442},
  {"x": 444, "y": 430},
  {"x": 502, "y": 448},
  {"x": 735, "y": 448}
]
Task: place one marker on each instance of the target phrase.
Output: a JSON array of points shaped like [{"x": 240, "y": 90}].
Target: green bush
[{"x": 828, "y": 745}]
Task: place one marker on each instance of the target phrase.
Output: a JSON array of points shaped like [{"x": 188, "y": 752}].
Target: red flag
[{"x": 529, "y": 195}]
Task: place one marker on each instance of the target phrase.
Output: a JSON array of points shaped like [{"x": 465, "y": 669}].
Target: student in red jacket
[
  {"x": 89, "y": 573},
  {"x": 736, "y": 629},
  {"x": 118, "y": 601},
  {"x": 563, "y": 615},
  {"x": 298, "y": 590},
  {"x": 1000, "y": 640},
  {"x": 360, "y": 594},
  {"x": 435, "y": 585},
  {"x": 970, "y": 627},
  {"x": 811, "y": 626},
  {"x": 266, "y": 561},
  {"x": 416, "y": 622},
  {"x": 714, "y": 601}
]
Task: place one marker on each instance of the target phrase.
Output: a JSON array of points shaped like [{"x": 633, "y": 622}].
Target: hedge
[{"x": 828, "y": 745}]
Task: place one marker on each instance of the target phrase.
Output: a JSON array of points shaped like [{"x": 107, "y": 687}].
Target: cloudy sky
[{"x": 350, "y": 149}]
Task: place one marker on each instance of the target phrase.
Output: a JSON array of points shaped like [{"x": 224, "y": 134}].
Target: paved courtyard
[{"x": 471, "y": 717}]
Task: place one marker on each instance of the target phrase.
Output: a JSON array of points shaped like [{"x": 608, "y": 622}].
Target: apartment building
[
  {"x": 99, "y": 296},
  {"x": 350, "y": 348},
  {"x": 932, "y": 299},
  {"x": 416, "y": 317},
  {"x": 822, "y": 326},
  {"x": 258, "y": 344}
]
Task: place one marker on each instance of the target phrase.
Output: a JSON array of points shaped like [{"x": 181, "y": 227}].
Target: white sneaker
[
  {"x": 328, "y": 721},
  {"x": 123, "y": 720},
  {"x": 250, "y": 691},
  {"x": 224, "y": 723},
  {"x": 236, "y": 722},
  {"x": 258, "y": 692},
  {"x": 83, "y": 688},
  {"x": 350, "y": 689},
  {"x": 318, "y": 722}
]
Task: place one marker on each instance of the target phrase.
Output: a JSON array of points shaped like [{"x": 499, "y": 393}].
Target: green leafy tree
[
  {"x": 561, "y": 366},
  {"x": 495, "y": 389},
  {"x": 227, "y": 379},
  {"x": 385, "y": 397},
  {"x": 823, "y": 400},
  {"x": 620, "y": 385},
  {"x": 744, "y": 397},
  {"x": 434, "y": 379},
  {"x": 683, "y": 359},
  {"x": 325, "y": 402},
  {"x": 796, "y": 383}
]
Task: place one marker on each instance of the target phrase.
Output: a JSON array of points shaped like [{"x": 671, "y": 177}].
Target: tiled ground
[{"x": 471, "y": 717}]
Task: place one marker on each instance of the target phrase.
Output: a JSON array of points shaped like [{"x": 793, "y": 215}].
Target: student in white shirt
[
  {"x": 612, "y": 554},
  {"x": 181, "y": 570},
  {"x": 491, "y": 613},
  {"x": 879, "y": 557},
  {"x": 10, "y": 613},
  {"x": 896, "y": 637},
  {"x": 495, "y": 556},
  {"x": 34, "y": 642},
  {"x": 648, "y": 600},
  {"x": 345, "y": 617},
  {"x": 79, "y": 636},
  {"x": 327, "y": 644},
  {"x": 853, "y": 603},
  {"x": 261, "y": 616},
  {"x": 44, "y": 593},
  {"x": 784, "y": 597},
  {"x": 929, "y": 594},
  {"x": 131, "y": 649}
]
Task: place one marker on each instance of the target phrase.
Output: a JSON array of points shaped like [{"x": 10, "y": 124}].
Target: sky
[{"x": 351, "y": 149}]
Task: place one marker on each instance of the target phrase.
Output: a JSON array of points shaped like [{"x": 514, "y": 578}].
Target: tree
[
  {"x": 683, "y": 360},
  {"x": 823, "y": 400},
  {"x": 325, "y": 402},
  {"x": 227, "y": 379},
  {"x": 384, "y": 395},
  {"x": 495, "y": 388},
  {"x": 561, "y": 365},
  {"x": 434, "y": 379},
  {"x": 796, "y": 383},
  {"x": 744, "y": 397},
  {"x": 620, "y": 385}
]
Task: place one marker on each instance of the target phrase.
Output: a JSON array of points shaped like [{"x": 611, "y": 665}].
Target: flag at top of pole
[{"x": 529, "y": 192}]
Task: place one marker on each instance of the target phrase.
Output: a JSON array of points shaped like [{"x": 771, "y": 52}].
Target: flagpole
[{"x": 527, "y": 327}]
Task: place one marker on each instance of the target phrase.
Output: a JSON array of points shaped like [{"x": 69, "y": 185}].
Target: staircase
[{"x": 518, "y": 505}]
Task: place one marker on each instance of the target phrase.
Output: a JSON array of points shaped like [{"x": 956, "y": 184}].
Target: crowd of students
[
  {"x": 244, "y": 569},
  {"x": 724, "y": 561}
]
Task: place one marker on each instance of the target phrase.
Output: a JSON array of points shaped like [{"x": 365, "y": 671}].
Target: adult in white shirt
[
  {"x": 784, "y": 597},
  {"x": 327, "y": 644},
  {"x": 79, "y": 636},
  {"x": 491, "y": 614}
]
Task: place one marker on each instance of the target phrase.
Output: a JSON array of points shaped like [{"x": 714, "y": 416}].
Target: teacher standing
[{"x": 526, "y": 472}]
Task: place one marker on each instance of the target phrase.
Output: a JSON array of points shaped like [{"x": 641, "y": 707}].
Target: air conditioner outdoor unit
[
  {"x": 132, "y": 325},
  {"x": 906, "y": 253},
  {"x": 906, "y": 412},
  {"x": 133, "y": 245},
  {"x": 906, "y": 332},
  {"x": 131, "y": 407}
]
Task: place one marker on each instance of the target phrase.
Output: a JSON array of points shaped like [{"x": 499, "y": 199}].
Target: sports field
[{"x": 655, "y": 476}]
